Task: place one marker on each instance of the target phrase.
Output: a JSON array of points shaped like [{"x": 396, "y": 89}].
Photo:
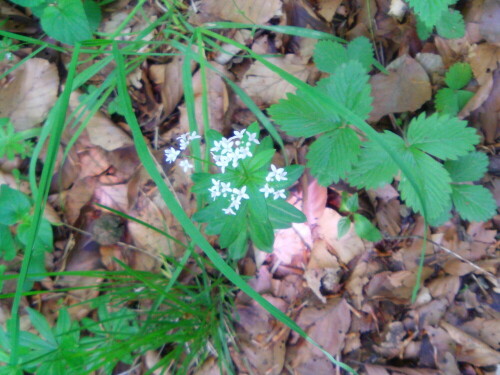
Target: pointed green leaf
[
  {"x": 328, "y": 56},
  {"x": 451, "y": 25},
  {"x": 332, "y": 155},
  {"x": 261, "y": 232},
  {"x": 375, "y": 167},
  {"x": 423, "y": 31},
  {"x": 434, "y": 183},
  {"x": 239, "y": 247},
  {"x": 442, "y": 136},
  {"x": 343, "y": 227},
  {"x": 365, "y": 229},
  {"x": 470, "y": 167},
  {"x": 473, "y": 202},
  {"x": 42, "y": 326},
  {"x": 282, "y": 214},
  {"x": 302, "y": 116},
  {"x": 233, "y": 225},
  {"x": 349, "y": 87}
]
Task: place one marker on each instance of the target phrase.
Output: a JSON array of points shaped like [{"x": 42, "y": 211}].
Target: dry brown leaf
[
  {"x": 78, "y": 196},
  {"x": 471, "y": 349},
  {"x": 375, "y": 370},
  {"x": 395, "y": 286},
  {"x": 328, "y": 326},
  {"x": 262, "y": 338},
  {"x": 405, "y": 88},
  {"x": 254, "y": 12},
  {"x": 446, "y": 286},
  {"x": 487, "y": 116},
  {"x": 487, "y": 331},
  {"x": 29, "y": 92},
  {"x": 328, "y": 8},
  {"x": 347, "y": 247},
  {"x": 266, "y": 87},
  {"x": 151, "y": 209},
  {"x": 489, "y": 25},
  {"x": 100, "y": 129},
  {"x": 483, "y": 59},
  {"x": 169, "y": 78},
  {"x": 315, "y": 201}
]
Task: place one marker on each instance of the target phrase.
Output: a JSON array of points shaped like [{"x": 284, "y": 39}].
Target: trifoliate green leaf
[
  {"x": 458, "y": 76},
  {"x": 450, "y": 101},
  {"x": 433, "y": 183},
  {"x": 430, "y": 10},
  {"x": 375, "y": 166},
  {"x": 470, "y": 167},
  {"x": 423, "y": 31},
  {"x": 442, "y": 136},
  {"x": 365, "y": 229},
  {"x": 66, "y": 21},
  {"x": 301, "y": 115},
  {"x": 473, "y": 202},
  {"x": 451, "y": 25},
  {"x": 343, "y": 227},
  {"x": 349, "y": 87},
  {"x": 332, "y": 155},
  {"x": 328, "y": 56}
]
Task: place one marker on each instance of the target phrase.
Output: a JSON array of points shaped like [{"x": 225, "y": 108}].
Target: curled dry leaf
[
  {"x": 29, "y": 92},
  {"x": 347, "y": 247},
  {"x": 328, "y": 326},
  {"x": 243, "y": 11},
  {"x": 472, "y": 350},
  {"x": 100, "y": 129},
  {"x": 267, "y": 87},
  {"x": 405, "y": 88},
  {"x": 169, "y": 78},
  {"x": 262, "y": 338}
]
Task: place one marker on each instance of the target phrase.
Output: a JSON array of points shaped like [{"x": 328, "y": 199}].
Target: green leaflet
[
  {"x": 470, "y": 167},
  {"x": 458, "y": 76},
  {"x": 473, "y": 202},
  {"x": 442, "y": 136},
  {"x": 332, "y": 156},
  {"x": 329, "y": 56},
  {"x": 430, "y": 10}
]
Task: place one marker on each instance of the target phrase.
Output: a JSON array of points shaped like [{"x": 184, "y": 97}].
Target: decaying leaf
[
  {"x": 255, "y": 12},
  {"x": 405, "y": 88},
  {"x": 267, "y": 87},
  {"x": 29, "y": 92}
]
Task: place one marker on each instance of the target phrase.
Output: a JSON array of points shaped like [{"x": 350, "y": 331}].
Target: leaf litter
[{"x": 349, "y": 295}]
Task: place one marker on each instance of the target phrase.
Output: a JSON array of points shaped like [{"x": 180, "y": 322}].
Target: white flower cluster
[
  {"x": 229, "y": 151},
  {"x": 224, "y": 189},
  {"x": 171, "y": 153}
]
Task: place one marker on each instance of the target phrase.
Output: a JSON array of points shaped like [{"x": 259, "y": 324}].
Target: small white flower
[
  {"x": 241, "y": 193},
  {"x": 194, "y": 136},
  {"x": 171, "y": 154},
  {"x": 226, "y": 188},
  {"x": 217, "y": 146},
  {"x": 267, "y": 190},
  {"x": 279, "y": 194},
  {"x": 235, "y": 202},
  {"x": 252, "y": 137},
  {"x": 215, "y": 189},
  {"x": 183, "y": 141},
  {"x": 229, "y": 211},
  {"x": 226, "y": 145},
  {"x": 276, "y": 174},
  {"x": 245, "y": 152},
  {"x": 238, "y": 134},
  {"x": 186, "y": 165}
]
